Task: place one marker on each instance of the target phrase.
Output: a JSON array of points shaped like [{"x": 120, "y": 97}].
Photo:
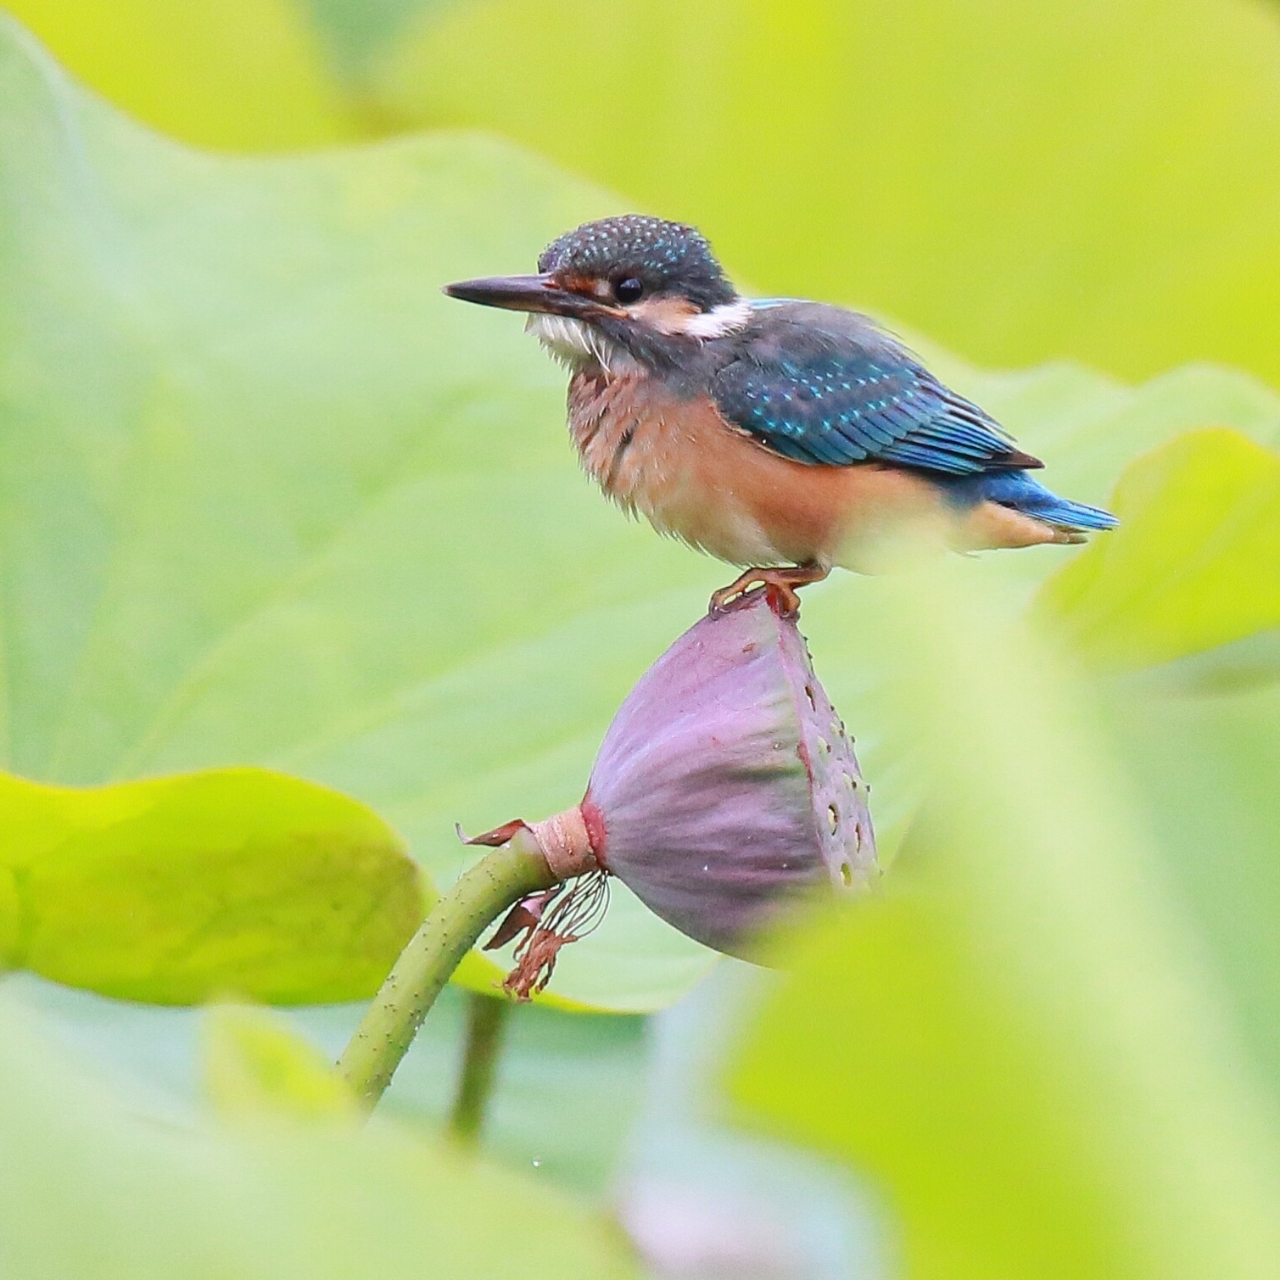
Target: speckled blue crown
[{"x": 666, "y": 257}]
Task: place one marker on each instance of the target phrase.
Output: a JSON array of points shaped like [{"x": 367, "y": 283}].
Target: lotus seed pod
[
  {"x": 726, "y": 784},
  {"x": 725, "y": 788}
]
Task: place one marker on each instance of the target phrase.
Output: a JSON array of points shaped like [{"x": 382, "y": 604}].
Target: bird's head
[{"x": 629, "y": 284}]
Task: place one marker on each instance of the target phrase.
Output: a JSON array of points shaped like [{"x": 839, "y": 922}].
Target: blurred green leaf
[
  {"x": 176, "y": 889},
  {"x": 358, "y": 32},
  {"x": 1205, "y": 770},
  {"x": 256, "y": 1064},
  {"x": 89, "y": 1189},
  {"x": 587, "y": 1072},
  {"x": 1193, "y": 565},
  {"x": 1094, "y": 178},
  {"x": 1026, "y": 1040},
  {"x": 233, "y": 74}
]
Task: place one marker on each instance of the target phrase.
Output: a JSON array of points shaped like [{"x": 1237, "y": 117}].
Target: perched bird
[{"x": 782, "y": 435}]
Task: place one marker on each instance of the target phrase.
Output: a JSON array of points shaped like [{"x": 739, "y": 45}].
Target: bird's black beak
[{"x": 529, "y": 293}]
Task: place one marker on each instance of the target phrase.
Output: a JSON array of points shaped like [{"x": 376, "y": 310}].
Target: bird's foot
[{"x": 780, "y": 587}]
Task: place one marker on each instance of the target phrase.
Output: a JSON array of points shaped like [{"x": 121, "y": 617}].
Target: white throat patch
[{"x": 573, "y": 341}]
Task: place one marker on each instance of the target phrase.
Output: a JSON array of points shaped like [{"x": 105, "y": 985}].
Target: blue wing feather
[{"x": 824, "y": 386}]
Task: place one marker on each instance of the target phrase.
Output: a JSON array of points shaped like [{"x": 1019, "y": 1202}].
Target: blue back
[{"x": 824, "y": 386}]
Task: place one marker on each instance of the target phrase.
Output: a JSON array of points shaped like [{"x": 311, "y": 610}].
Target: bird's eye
[{"x": 627, "y": 290}]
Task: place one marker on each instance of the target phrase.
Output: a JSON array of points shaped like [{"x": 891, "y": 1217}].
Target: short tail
[{"x": 1017, "y": 490}]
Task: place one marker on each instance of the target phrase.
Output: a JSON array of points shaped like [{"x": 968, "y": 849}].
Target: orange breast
[{"x": 680, "y": 465}]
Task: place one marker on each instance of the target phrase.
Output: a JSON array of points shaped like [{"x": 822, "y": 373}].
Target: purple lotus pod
[{"x": 726, "y": 786}]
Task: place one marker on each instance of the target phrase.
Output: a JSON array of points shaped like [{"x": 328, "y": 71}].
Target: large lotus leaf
[
  {"x": 1094, "y": 178},
  {"x": 1205, "y": 769},
  {"x": 269, "y": 498},
  {"x": 1194, "y": 565},
  {"x": 88, "y": 1188},
  {"x": 176, "y": 889},
  {"x": 239, "y": 74},
  {"x": 1029, "y": 1041}
]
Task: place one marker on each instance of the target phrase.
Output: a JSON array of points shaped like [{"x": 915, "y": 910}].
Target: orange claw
[{"x": 780, "y": 586}]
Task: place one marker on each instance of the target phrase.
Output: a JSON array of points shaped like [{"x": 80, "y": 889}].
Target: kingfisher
[{"x": 782, "y": 436}]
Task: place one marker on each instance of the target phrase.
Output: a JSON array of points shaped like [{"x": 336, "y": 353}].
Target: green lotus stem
[
  {"x": 483, "y": 892},
  {"x": 486, "y": 1021}
]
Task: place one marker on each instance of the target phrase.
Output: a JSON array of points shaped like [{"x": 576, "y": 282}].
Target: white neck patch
[{"x": 727, "y": 318}]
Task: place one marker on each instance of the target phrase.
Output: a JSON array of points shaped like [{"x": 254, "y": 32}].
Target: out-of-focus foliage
[
  {"x": 359, "y": 34},
  {"x": 178, "y": 889},
  {"x": 237, "y": 74},
  {"x": 89, "y": 1188},
  {"x": 568, "y": 1090},
  {"x": 1031, "y": 1040},
  {"x": 1204, "y": 769},
  {"x": 1094, "y": 178},
  {"x": 1198, "y": 563},
  {"x": 255, "y": 1065}
]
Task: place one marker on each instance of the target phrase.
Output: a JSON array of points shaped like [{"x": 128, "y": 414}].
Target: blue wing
[{"x": 824, "y": 386}]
